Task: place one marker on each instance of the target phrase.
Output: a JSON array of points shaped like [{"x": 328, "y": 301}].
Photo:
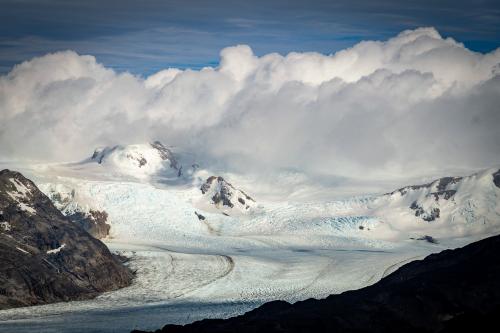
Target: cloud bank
[{"x": 413, "y": 104}]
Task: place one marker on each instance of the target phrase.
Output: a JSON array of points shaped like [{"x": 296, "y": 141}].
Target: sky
[
  {"x": 143, "y": 37},
  {"x": 365, "y": 90}
]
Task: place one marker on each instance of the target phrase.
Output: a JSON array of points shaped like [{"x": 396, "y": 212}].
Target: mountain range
[{"x": 209, "y": 241}]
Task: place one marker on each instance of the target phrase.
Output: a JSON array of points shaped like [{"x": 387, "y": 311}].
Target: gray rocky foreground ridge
[{"x": 44, "y": 257}]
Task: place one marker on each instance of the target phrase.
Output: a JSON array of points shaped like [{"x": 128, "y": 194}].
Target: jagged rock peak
[{"x": 223, "y": 193}]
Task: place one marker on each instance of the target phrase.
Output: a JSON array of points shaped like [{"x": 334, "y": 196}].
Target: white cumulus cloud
[{"x": 413, "y": 104}]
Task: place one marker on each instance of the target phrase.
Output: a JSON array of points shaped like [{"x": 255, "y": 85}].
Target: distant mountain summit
[
  {"x": 460, "y": 196},
  {"x": 44, "y": 257},
  {"x": 138, "y": 160},
  {"x": 142, "y": 160},
  {"x": 443, "y": 208}
]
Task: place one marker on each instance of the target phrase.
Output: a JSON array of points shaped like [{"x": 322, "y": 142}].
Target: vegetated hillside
[
  {"x": 44, "y": 257},
  {"x": 452, "y": 291}
]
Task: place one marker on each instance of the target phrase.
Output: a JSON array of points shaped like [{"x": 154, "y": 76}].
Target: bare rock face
[
  {"x": 496, "y": 178},
  {"x": 166, "y": 154},
  {"x": 427, "y": 216},
  {"x": 44, "y": 257},
  {"x": 199, "y": 216},
  {"x": 94, "y": 222},
  {"x": 91, "y": 219},
  {"x": 224, "y": 195}
]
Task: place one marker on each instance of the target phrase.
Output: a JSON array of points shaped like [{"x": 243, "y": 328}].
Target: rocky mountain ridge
[
  {"x": 456, "y": 200},
  {"x": 44, "y": 257}
]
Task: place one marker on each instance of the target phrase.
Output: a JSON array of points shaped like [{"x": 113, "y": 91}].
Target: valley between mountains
[{"x": 203, "y": 243}]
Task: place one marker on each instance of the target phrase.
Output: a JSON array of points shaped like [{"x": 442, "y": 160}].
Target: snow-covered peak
[
  {"x": 449, "y": 206},
  {"x": 445, "y": 187},
  {"x": 224, "y": 196},
  {"x": 139, "y": 160}
]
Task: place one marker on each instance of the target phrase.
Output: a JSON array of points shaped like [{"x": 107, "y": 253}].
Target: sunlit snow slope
[{"x": 194, "y": 244}]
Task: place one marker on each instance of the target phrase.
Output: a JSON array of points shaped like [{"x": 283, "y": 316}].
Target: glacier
[{"x": 188, "y": 268}]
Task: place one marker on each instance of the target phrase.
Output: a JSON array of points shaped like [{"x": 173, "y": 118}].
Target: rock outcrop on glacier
[{"x": 224, "y": 196}]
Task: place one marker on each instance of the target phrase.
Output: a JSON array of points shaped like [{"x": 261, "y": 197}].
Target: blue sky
[{"x": 145, "y": 36}]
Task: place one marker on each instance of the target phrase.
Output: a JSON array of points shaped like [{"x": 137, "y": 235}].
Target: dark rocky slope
[
  {"x": 44, "y": 257},
  {"x": 93, "y": 222},
  {"x": 453, "y": 291}
]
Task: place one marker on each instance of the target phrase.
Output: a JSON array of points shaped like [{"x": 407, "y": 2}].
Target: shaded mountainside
[
  {"x": 93, "y": 221},
  {"x": 44, "y": 257},
  {"x": 451, "y": 291}
]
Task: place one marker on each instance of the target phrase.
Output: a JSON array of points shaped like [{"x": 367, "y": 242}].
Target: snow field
[{"x": 225, "y": 265}]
